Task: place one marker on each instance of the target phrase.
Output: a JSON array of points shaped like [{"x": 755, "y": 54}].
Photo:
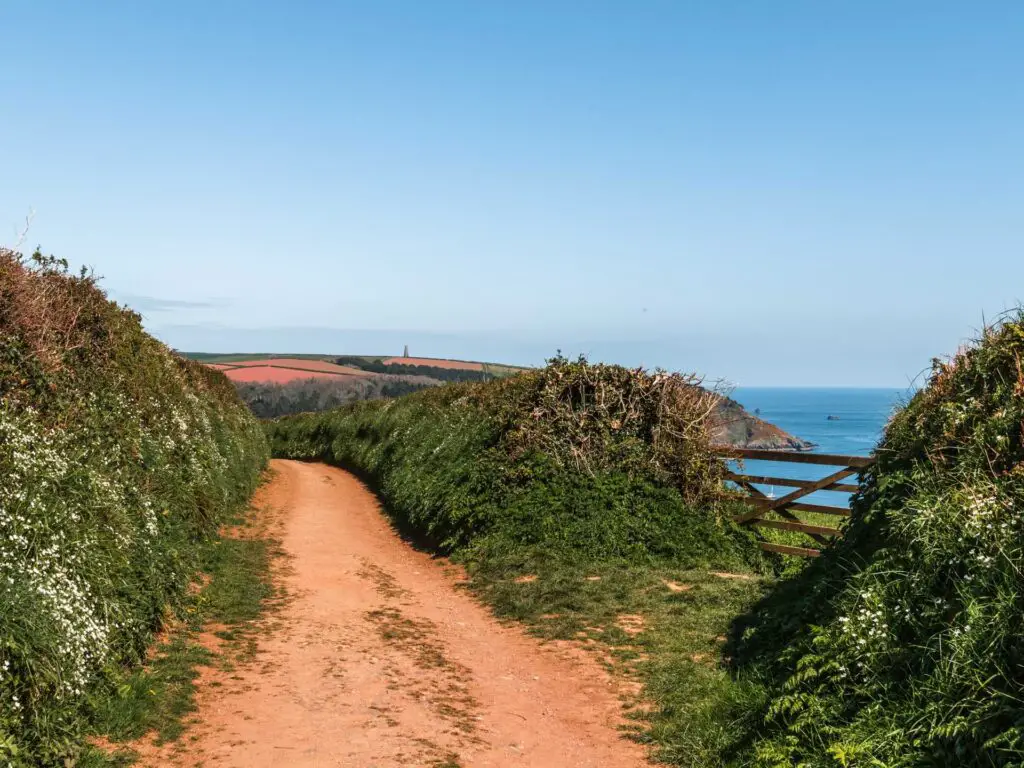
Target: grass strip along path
[{"x": 147, "y": 714}]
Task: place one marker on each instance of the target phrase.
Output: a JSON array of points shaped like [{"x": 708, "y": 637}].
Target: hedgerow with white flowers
[
  {"x": 904, "y": 644},
  {"x": 116, "y": 458}
]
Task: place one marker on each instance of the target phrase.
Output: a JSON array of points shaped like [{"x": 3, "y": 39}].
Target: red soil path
[{"x": 377, "y": 659}]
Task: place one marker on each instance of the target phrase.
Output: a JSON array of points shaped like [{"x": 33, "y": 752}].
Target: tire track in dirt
[{"x": 377, "y": 659}]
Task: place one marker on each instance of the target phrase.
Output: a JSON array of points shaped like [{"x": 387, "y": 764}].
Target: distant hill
[
  {"x": 280, "y": 384},
  {"x": 277, "y": 385},
  {"x": 367, "y": 363}
]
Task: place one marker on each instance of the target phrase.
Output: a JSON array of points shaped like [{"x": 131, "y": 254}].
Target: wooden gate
[{"x": 788, "y": 505}]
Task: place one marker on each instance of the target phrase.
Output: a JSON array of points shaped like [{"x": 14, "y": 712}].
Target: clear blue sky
[{"x": 767, "y": 192}]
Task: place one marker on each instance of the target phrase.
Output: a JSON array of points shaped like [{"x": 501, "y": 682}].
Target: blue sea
[{"x": 861, "y": 418}]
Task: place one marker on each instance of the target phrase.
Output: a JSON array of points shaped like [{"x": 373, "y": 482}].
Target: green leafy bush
[
  {"x": 116, "y": 457},
  {"x": 590, "y": 461},
  {"x": 903, "y": 644}
]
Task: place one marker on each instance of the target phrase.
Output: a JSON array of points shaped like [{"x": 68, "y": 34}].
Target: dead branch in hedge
[
  {"x": 22, "y": 234},
  {"x": 47, "y": 308}
]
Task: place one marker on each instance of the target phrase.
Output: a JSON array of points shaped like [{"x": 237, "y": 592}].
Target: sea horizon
[{"x": 859, "y": 418}]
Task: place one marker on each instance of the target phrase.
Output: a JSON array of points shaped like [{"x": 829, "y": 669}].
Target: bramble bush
[
  {"x": 116, "y": 458},
  {"x": 903, "y": 645}
]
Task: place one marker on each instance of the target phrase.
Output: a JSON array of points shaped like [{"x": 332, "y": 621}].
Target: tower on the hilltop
[{"x": 406, "y": 353}]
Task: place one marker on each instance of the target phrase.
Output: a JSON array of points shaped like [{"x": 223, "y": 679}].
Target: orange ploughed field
[{"x": 281, "y": 370}]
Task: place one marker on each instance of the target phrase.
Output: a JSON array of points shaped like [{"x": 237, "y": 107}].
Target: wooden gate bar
[
  {"x": 800, "y": 507},
  {"x": 785, "y": 506},
  {"x": 858, "y": 462},
  {"x": 758, "y": 498},
  {"x": 790, "y": 482},
  {"x": 785, "y": 549},
  {"x": 790, "y": 525},
  {"x": 784, "y": 501}
]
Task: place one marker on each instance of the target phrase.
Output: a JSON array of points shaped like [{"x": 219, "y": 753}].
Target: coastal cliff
[{"x": 736, "y": 427}]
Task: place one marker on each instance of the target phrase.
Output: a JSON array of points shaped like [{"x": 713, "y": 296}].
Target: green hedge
[
  {"x": 576, "y": 460},
  {"x": 904, "y": 644},
  {"x": 116, "y": 458}
]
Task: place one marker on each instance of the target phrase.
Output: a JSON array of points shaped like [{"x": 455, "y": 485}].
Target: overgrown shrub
[
  {"x": 116, "y": 456},
  {"x": 904, "y": 644},
  {"x": 594, "y": 460}
]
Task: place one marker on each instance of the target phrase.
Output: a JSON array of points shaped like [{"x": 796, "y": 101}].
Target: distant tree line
[
  {"x": 268, "y": 401},
  {"x": 402, "y": 369}
]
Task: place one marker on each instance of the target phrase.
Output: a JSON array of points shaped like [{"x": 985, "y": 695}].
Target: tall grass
[{"x": 116, "y": 458}]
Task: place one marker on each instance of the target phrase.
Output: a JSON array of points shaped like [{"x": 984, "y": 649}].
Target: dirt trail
[{"x": 377, "y": 659}]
